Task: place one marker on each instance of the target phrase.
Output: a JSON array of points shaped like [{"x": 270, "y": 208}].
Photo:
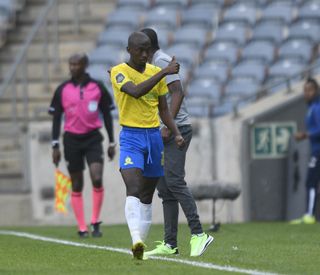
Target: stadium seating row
[{"x": 228, "y": 50}]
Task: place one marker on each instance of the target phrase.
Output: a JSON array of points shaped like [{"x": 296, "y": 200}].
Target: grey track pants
[{"x": 173, "y": 190}]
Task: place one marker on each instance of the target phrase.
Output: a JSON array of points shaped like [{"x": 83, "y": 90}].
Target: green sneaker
[
  {"x": 162, "y": 249},
  {"x": 305, "y": 219},
  {"x": 199, "y": 244},
  {"x": 309, "y": 219},
  {"x": 137, "y": 250}
]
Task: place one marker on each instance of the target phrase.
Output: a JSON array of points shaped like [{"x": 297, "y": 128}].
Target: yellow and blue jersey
[{"x": 133, "y": 112}]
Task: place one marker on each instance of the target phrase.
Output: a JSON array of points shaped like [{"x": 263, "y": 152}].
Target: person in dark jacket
[{"x": 312, "y": 121}]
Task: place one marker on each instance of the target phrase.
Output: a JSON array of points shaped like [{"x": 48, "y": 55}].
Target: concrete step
[
  {"x": 36, "y": 51},
  {"x": 89, "y": 11},
  {"x": 36, "y": 110},
  {"x": 36, "y": 91},
  {"x": 11, "y": 165}
]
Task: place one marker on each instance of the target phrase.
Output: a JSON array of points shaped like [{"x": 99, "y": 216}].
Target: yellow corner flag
[{"x": 62, "y": 190}]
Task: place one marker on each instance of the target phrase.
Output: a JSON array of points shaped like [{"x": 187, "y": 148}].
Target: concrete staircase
[
  {"x": 14, "y": 191},
  {"x": 92, "y": 18}
]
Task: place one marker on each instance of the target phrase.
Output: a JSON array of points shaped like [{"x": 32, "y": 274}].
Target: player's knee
[
  {"x": 77, "y": 187},
  {"x": 97, "y": 182},
  {"x": 133, "y": 191}
]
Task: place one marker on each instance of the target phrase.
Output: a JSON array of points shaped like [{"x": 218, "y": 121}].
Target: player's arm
[
  {"x": 146, "y": 86},
  {"x": 167, "y": 119}
]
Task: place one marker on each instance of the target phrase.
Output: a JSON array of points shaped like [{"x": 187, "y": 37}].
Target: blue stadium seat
[
  {"x": 269, "y": 30},
  {"x": 297, "y": 47},
  {"x": 172, "y": 3},
  {"x": 220, "y": 50},
  {"x": 231, "y": 31},
  {"x": 114, "y": 36},
  {"x": 212, "y": 70},
  {"x": 250, "y": 68},
  {"x": 219, "y": 3},
  {"x": 286, "y": 67},
  {"x": 310, "y": 10},
  {"x": 259, "y": 49},
  {"x": 107, "y": 55},
  {"x": 283, "y": 12},
  {"x": 242, "y": 12},
  {"x": 185, "y": 54},
  {"x": 203, "y": 16},
  {"x": 306, "y": 28},
  {"x": 100, "y": 72},
  {"x": 138, "y": 4},
  {"x": 254, "y": 3},
  {"x": 164, "y": 36},
  {"x": 200, "y": 107},
  {"x": 241, "y": 87},
  {"x": 130, "y": 18},
  {"x": 162, "y": 17},
  {"x": 205, "y": 88},
  {"x": 191, "y": 35}
]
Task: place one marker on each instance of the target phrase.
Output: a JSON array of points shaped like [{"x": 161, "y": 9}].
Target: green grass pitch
[{"x": 268, "y": 247}]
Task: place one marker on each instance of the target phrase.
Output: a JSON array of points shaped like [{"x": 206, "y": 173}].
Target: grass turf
[{"x": 272, "y": 247}]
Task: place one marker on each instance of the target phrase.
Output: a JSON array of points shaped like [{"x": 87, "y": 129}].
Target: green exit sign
[{"x": 271, "y": 140}]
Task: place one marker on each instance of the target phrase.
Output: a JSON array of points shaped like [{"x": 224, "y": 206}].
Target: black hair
[
  {"x": 136, "y": 37},
  {"x": 82, "y": 57},
  {"x": 314, "y": 82},
  {"x": 153, "y": 37}
]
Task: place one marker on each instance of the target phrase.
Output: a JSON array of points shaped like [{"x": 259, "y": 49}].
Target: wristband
[
  {"x": 112, "y": 144},
  {"x": 55, "y": 144}
]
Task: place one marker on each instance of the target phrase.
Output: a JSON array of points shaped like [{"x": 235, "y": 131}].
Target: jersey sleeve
[
  {"x": 56, "y": 107},
  {"x": 119, "y": 78},
  {"x": 163, "y": 89}
]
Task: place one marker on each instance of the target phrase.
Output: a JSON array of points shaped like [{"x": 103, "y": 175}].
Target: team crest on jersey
[
  {"x": 128, "y": 161},
  {"x": 119, "y": 77}
]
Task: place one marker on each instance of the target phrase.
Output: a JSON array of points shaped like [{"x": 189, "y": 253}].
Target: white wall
[{"x": 198, "y": 170}]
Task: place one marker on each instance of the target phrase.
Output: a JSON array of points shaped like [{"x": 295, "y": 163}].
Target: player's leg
[
  {"x": 174, "y": 171},
  {"x": 313, "y": 179},
  {"x": 170, "y": 207},
  {"x": 132, "y": 178},
  {"x": 146, "y": 194},
  {"x": 174, "y": 176},
  {"x": 95, "y": 156},
  {"x": 75, "y": 165},
  {"x": 131, "y": 164}
]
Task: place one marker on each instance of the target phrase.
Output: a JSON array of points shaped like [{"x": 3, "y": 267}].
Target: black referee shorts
[{"x": 78, "y": 147}]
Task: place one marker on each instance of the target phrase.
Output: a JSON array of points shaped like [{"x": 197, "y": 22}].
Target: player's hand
[
  {"x": 180, "y": 141},
  {"x": 173, "y": 67},
  {"x": 300, "y": 136},
  {"x": 56, "y": 156},
  {"x": 165, "y": 134},
  {"x": 111, "y": 151}
]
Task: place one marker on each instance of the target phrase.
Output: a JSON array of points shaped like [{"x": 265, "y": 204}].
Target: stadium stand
[{"x": 264, "y": 42}]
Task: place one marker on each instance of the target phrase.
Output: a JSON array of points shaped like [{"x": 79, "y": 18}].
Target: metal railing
[{"x": 14, "y": 88}]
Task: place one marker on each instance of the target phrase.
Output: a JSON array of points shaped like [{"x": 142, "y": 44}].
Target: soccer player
[
  {"x": 172, "y": 187},
  {"x": 312, "y": 98},
  {"x": 81, "y": 99},
  {"x": 139, "y": 90}
]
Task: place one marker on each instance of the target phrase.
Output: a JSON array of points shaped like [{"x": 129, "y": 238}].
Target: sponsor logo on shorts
[{"x": 128, "y": 161}]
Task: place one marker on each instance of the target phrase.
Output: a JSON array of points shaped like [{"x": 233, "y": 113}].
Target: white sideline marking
[{"x": 126, "y": 251}]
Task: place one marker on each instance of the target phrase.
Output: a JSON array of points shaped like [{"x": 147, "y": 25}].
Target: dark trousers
[{"x": 173, "y": 189}]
